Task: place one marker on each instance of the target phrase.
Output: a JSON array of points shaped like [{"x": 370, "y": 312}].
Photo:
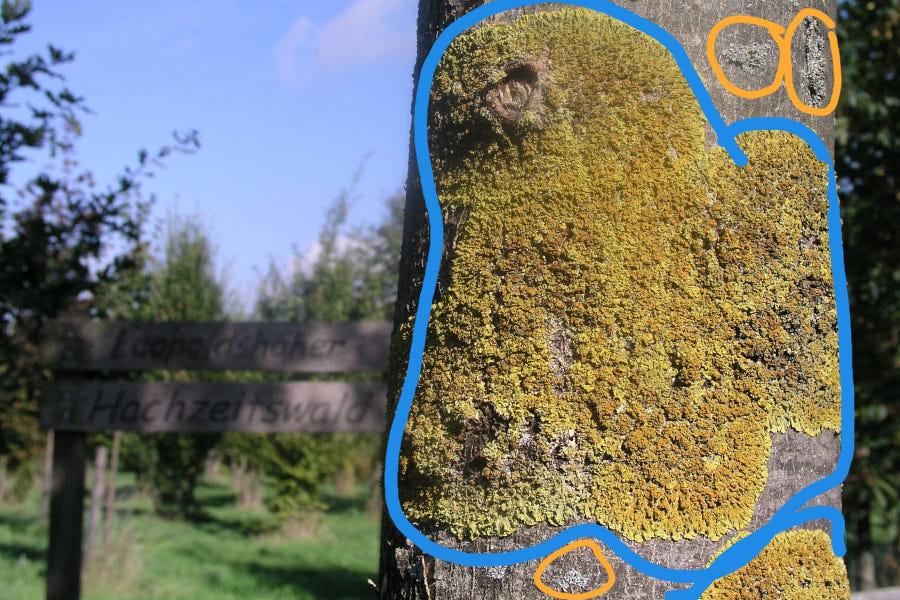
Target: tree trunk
[
  {"x": 247, "y": 480},
  {"x": 541, "y": 411}
]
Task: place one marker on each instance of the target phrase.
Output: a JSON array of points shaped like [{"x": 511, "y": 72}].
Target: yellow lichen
[
  {"x": 796, "y": 565},
  {"x": 623, "y": 315}
]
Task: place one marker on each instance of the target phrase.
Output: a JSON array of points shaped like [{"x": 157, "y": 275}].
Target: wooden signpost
[{"x": 75, "y": 404}]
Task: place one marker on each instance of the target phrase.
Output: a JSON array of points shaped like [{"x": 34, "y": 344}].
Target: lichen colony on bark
[
  {"x": 622, "y": 309},
  {"x": 624, "y": 319}
]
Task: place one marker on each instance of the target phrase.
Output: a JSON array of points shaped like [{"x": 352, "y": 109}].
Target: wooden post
[
  {"x": 97, "y": 490},
  {"x": 66, "y": 517},
  {"x": 111, "y": 486}
]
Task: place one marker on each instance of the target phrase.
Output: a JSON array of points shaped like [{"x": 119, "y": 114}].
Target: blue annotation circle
[{"x": 792, "y": 513}]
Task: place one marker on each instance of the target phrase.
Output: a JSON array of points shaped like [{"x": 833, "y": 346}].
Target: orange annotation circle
[
  {"x": 835, "y": 63},
  {"x": 594, "y": 593},
  {"x": 776, "y": 32},
  {"x": 784, "y": 38}
]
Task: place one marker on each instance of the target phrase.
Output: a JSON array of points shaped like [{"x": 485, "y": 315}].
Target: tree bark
[{"x": 795, "y": 458}]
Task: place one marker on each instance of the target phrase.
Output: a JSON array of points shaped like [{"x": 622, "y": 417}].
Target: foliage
[
  {"x": 64, "y": 238},
  {"x": 868, "y": 158},
  {"x": 182, "y": 285},
  {"x": 297, "y": 465},
  {"x": 353, "y": 276}
]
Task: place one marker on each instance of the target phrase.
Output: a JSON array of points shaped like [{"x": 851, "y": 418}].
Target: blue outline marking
[{"x": 792, "y": 513}]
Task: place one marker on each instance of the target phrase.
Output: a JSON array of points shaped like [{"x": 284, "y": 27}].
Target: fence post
[
  {"x": 96, "y": 509},
  {"x": 111, "y": 486}
]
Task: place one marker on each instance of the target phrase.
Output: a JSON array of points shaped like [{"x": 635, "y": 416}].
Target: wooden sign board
[
  {"x": 205, "y": 407},
  {"x": 93, "y": 345},
  {"x": 75, "y": 407}
]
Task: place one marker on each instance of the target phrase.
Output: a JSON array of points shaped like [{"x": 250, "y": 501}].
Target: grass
[{"x": 232, "y": 554}]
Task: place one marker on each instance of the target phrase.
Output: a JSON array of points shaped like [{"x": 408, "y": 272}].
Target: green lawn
[{"x": 233, "y": 554}]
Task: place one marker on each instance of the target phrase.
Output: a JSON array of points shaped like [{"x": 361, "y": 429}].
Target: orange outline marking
[
  {"x": 776, "y": 32},
  {"x": 835, "y": 63},
  {"x": 594, "y": 593},
  {"x": 784, "y": 39}
]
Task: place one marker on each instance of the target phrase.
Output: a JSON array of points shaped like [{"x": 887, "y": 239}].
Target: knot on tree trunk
[{"x": 518, "y": 98}]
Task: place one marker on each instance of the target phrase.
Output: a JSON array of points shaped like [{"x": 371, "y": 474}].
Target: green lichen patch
[
  {"x": 796, "y": 565},
  {"x": 622, "y": 316}
]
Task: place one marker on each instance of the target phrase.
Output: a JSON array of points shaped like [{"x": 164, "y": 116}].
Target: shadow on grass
[
  {"x": 17, "y": 522},
  {"x": 270, "y": 575},
  {"x": 217, "y": 512},
  {"x": 215, "y": 495},
  {"x": 343, "y": 504},
  {"x": 16, "y": 551},
  {"x": 328, "y": 582},
  {"x": 243, "y": 524},
  {"x": 35, "y": 550}
]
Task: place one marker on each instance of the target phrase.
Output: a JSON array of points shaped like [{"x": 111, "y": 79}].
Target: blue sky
[{"x": 288, "y": 98}]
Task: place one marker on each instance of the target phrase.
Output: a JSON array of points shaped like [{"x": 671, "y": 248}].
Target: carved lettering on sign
[
  {"x": 286, "y": 347},
  {"x": 251, "y": 407}
]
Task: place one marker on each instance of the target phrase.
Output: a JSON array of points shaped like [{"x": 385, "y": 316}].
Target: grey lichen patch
[
  {"x": 571, "y": 581},
  {"x": 496, "y": 572},
  {"x": 577, "y": 571},
  {"x": 815, "y": 62},
  {"x": 748, "y": 57}
]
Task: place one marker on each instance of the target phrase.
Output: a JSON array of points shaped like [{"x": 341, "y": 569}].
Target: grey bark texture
[{"x": 748, "y": 57}]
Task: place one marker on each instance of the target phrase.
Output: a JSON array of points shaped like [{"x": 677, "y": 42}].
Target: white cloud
[
  {"x": 289, "y": 48},
  {"x": 364, "y": 33},
  {"x": 304, "y": 260}
]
